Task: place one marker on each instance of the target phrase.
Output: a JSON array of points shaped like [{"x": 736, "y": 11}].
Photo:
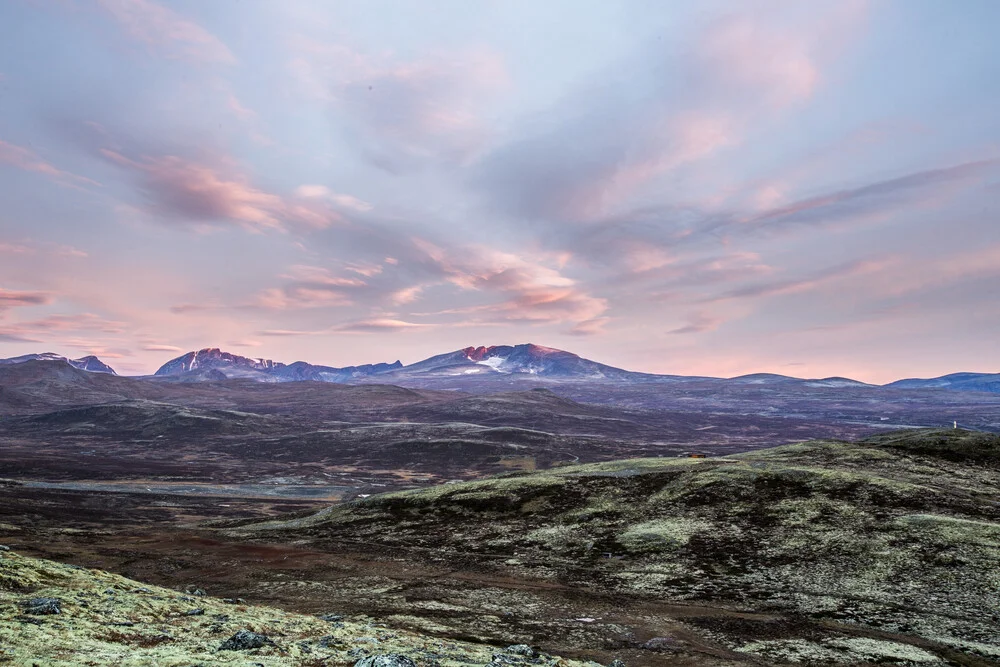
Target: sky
[{"x": 710, "y": 188}]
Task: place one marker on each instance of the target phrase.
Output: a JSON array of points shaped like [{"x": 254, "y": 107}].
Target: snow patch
[{"x": 495, "y": 363}]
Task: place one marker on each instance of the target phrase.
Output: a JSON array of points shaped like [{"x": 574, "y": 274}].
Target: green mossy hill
[
  {"x": 105, "y": 619},
  {"x": 900, "y": 532}
]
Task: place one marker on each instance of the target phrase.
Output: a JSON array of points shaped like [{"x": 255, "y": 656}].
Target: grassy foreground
[{"x": 106, "y": 619}]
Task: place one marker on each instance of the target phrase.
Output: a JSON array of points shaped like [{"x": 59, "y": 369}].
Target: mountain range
[
  {"x": 471, "y": 364},
  {"x": 213, "y": 364},
  {"x": 88, "y": 363}
]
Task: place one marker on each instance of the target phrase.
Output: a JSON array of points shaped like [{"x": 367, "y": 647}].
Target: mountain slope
[
  {"x": 209, "y": 363},
  {"x": 89, "y": 363},
  {"x": 899, "y": 534},
  {"x": 955, "y": 381},
  {"x": 526, "y": 359}
]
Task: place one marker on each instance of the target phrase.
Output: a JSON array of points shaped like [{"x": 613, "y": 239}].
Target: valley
[{"x": 653, "y": 523}]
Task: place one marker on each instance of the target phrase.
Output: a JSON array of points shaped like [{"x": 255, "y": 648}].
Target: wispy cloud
[
  {"x": 26, "y": 159},
  {"x": 341, "y": 200},
  {"x": 879, "y": 198},
  {"x": 161, "y": 348},
  {"x": 50, "y": 329},
  {"x": 166, "y": 32},
  {"x": 698, "y": 323},
  {"x": 403, "y": 113},
  {"x": 203, "y": 194},
  {"x": 607, "y": 141},
  {"x": 804, "y": 284},
  {"x": 16, "y": 298},
  {"x": 377, "y": 325}
]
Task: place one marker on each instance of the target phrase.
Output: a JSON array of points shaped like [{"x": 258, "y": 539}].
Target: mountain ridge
[
  {"x": 510, "y": 362},
  {"x": 88, "y": 363}
]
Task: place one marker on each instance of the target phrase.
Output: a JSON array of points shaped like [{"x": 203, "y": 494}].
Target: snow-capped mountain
[
  {"x": 233, "y": 365},
  {"x": 209, "y": 363},
  {"x": 525, "y": 359},
  {"x": 88, "y": 363}
]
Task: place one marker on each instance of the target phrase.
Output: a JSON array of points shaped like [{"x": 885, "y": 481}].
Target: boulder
[
  {"x": 522, "y": 649},
  {"x": 385, "y": 660},
  {"x": 244, "y": 640},
  {"x": 42, "y": 606}
]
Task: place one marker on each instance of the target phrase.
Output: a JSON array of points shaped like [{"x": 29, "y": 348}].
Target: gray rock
[
  {"x": 522, "y": 649},
  {"x": 385, "y": 660},
  {"x": 4, "y": 548},
  {"x": 661, "y": 644},
  {"x": 332, "y": 618},
  {"x": 195, "y": 612},
  {"x": 616, "y": 663},
  {"x": 244, "y": 640},
  {"x": 42, "y": 606}
]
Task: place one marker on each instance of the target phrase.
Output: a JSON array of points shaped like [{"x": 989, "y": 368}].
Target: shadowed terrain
[{"x": 892, "y": 538}]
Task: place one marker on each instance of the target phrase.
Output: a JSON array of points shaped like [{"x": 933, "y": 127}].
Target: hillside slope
[
  {"x": 66, "y": 616},
  {"x": 899, "y": 534}
]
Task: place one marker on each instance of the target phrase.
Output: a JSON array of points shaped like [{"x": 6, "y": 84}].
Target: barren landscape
[{"x": 596, "y": 530}]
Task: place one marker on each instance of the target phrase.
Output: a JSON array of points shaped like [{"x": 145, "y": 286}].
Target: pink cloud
[
  {"x": 699, "y": 323},
  {"x": 299, "y": 296},
  {"x": 28, "y": 160},
  {"x": 161, "y": 348},
  {"x": 14, "y": 298},
  {"x": 46, "y": 328},
  {"x": 309, "y": 287},
  {"x": 168, "y": 32},
  {"x": 202, "y": 194},
  {"x": 808, "y": 283},
  {"x": 239, "y": 110},
  {"x": 365, "y": 269},
  {"x": 529, "y": 291},
  {"x": 589, "y": 327},
  {"x": 15, "y": 249},
  {"x": 750, "y": 55},
  {"x": 340, "y": 200},
  {"x": 287, "y": 332},
  {"x": 406, "y": 295},
  {"x": 378, "y": 325},
  {"x": 70, "y": 251}
]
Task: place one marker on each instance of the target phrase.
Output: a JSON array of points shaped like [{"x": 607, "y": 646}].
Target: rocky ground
[{"x": 66, "y": 616}]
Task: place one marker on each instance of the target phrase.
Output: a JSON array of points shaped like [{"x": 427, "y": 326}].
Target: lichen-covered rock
[
  {"x": 385, "y": 660},
  {"x": 332, "y": 618},
  {"x": 522, "y": 649},
  {"x": 244, "y": 640},
  {"x": 42, "y": 606}
]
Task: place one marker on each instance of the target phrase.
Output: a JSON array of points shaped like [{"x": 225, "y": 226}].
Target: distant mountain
[
  {"x": 88, "y": 363},
  {"x": 955, "y": 381},
  {"x": 525, "y": 359},
  {"x": 212, "y": 364}
]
